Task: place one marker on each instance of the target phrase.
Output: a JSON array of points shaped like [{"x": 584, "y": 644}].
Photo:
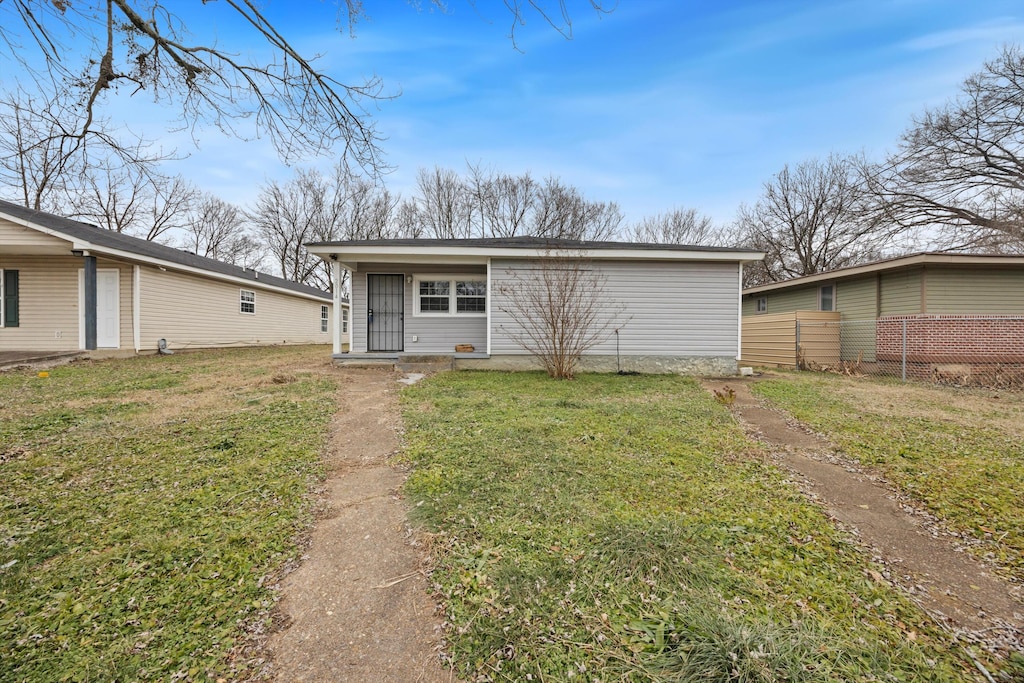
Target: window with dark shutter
[{"x": 10, "y": 297}]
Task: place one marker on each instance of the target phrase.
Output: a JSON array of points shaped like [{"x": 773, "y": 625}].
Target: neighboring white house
[
  {"x": 69, "y": 286},
  {"x": 676, "y": 308}
]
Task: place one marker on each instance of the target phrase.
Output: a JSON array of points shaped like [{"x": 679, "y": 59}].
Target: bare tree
[
  {"x": 678, "y": 226},
  {"x": 44, "y": 161},
  {"x": 287, "y": 216},
  {"x": 365, "y": 211},
  {"x": 314, "y": 207},
  {"x": 134, "y": 200},
  {"x": 561, "y": 212},
  {"x": 558, "y": 310},
  {"x": 217, "y": 229},
  {"x": 960, "y": 168},
  {"x": 812, "y": 218},
  {"x": 443, "y": 203},
  {"x": 503, "y": 202},
  {"x": 93, "y": 47},
  {"x": 408, "y": 220},
  {"x": 489, "y": 204}
]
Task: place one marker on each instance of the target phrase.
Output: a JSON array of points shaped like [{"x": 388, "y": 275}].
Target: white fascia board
[{"x": 446, "y": 254}]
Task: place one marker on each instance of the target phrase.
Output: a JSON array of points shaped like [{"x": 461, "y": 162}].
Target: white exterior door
[{"x": 108, "y": 309}]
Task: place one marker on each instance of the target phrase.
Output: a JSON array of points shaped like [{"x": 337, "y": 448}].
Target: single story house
[
  {"x": 68, "y": 286},
  {"x": 929, "y": 309},
  {"x": 666, "y": 308}
]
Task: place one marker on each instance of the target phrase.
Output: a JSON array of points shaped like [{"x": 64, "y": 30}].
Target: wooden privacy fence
[{"x": 771, "y": 339}]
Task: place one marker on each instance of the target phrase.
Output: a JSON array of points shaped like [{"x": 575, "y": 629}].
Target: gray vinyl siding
[
  {"x": 901, "y": 292},
  {"x": 682, "y": 309},
  {"x": 975, "y": 290},
  {"x": 434, "y": 334}
]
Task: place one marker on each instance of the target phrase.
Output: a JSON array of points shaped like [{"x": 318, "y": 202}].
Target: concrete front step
[
  {"x": 406, "y": 362},
  {"x": 448, "y": 364}
]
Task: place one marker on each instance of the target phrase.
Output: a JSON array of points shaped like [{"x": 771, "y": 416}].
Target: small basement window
[
  {"x": 247, "y": 302},
  {"x": 762, "y": 305},
  {"x": 324, "y": 319},
  {"x": 827, "y": 297}
]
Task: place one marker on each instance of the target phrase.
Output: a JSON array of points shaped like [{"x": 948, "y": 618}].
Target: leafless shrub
[{"x": 559, "y": 310}]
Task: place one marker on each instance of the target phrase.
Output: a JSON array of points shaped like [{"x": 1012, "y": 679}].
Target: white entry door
[{"x": 108, "y": 309}]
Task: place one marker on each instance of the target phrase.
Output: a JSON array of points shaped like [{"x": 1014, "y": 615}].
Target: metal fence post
[{"x": 904, "y": 351}]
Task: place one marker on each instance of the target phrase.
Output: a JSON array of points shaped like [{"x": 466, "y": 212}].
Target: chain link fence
[{"x": 955, "y": 350}]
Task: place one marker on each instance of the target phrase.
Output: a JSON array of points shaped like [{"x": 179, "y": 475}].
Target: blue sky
[{"x": 660, "y": 104}]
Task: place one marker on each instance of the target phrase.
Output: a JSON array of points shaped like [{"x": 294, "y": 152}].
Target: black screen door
[{"x": 385, "y": 320}]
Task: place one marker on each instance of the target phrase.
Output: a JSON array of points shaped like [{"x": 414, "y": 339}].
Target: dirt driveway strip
[
  {"x": 945, "y": 581},
  {"x": 358, "y": 608}
]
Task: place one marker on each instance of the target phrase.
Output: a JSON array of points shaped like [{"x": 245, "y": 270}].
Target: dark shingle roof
[
  {"x": 109, "y": 239},
  {"x": 521, "y": 243}
]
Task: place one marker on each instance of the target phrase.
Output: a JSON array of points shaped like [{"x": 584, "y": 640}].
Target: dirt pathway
[
  {"x": 357, "y": 609},
  {"x": 944, "y": 580}
]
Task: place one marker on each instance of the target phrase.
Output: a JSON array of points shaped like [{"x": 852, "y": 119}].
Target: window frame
[
  {"x": 761, "y": 304},
  {"x": 325, "y": 318},
  {"x": 453, "y": 295},
  {"x": 832, "y": 287},
  {"x": 6, "y": 298},
  {"x": 344, "y": 319},
  {"x": 242, "y": 301}
]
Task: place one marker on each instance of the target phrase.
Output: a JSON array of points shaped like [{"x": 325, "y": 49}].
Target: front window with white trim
[
  {"x": 762, "y": 304},
  {"x": 449, "y": 295},
  {"x": 247, "y": 302},
  {"x": 344, "y": 320},
  {"x": 324, "y": 318}
]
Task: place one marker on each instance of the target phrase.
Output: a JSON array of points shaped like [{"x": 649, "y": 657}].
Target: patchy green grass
[
  {"x": 144, "y": 504},
  {"x": 624, "y": 529},
  {"x": 959, "y": 452}
]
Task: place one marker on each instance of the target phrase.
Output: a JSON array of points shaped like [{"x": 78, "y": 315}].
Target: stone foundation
[{"x": 704, "y": 366}]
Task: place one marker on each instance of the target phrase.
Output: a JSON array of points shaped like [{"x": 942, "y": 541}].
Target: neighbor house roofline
[
  {"x": 895, "y": 263},
  {"x": 98, "y": 241},
  {"x": 350, "y": 252}
]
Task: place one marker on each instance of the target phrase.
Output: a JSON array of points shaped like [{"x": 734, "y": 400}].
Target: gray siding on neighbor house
[
  {"x": 434, "y": 334},
  {"x": 662, "y": 308},
  {"x": 977, "y": 290}
]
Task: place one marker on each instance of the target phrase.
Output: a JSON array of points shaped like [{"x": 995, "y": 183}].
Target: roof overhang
[
  {"x": 350, "y": 256},
  {"x": 92, "y": 249},
  {"x": 922, "y": 259}
]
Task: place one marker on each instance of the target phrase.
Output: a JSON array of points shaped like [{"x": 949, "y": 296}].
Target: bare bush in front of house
[{"x": 559, "y": 311}]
